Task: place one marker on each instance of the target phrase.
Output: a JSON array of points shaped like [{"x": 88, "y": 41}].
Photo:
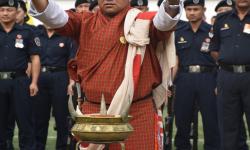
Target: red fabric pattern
[{"x": 100, "y": 66}]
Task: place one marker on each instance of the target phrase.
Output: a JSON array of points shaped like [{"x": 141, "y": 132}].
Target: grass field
[{"x": 52, "y": 137}]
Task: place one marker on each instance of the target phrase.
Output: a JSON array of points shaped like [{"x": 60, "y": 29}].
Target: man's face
[
  {"x": 194, "y": 13},
  {"x": 244, "y": 4},
  {"x": 84, "y": 7},
  {"x": 20, "y": 16},
  {"x": 8, "y": 14},
  {"x": 112, "y": 7},
  {"x": 223, "y": 9}
]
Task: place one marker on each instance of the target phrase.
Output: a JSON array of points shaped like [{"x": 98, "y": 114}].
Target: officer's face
[
  {"x": 194, "y": 13},
  {"x": 111, "y": 7},
  {"x": 84, "y": 7},
  {"x": 20, "y": 16},
  {"x": 8, "y": 14},
  {"x": 223, "y": 9},
  {"x": 245, "y": 4}
]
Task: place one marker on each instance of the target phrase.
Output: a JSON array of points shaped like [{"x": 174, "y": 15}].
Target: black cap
[
  {"x": 224, "y": 3},
  {"x": 22, "y": 5},
  {"x": 194, "y": 2},
  {"x": 93, "y": 4},
  {"x": 138, "y": 3},
  {"x": 9, "y": 3},
  {"x": 159, "y": 3},
  {"x": 78, "y": 2}
]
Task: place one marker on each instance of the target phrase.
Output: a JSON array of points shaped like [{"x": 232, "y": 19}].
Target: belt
[
  {"x": 134, "y": 101},
  {"x": 11, "y": 75},
  {"x": 197, "y": 69},
  {"x": 235, "y": 68},
  {"x": 52, "y": 69}
]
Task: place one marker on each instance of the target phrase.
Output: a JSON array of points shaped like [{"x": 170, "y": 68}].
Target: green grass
[{"x": 52, "y": 136}]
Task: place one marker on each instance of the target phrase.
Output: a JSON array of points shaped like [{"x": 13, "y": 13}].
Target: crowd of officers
[{"x": 212, "y": 72}]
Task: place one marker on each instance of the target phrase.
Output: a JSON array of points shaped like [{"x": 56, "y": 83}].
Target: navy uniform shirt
[
  {"x": 192, "y": 48},
  {"x": 232, "y": 38},
  {"x": 16, "y": 47},
  {"x": 57, "y": 50}
]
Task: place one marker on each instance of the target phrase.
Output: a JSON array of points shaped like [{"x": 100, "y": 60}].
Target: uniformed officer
[
  {"x": 56, "y": 51},
  {"x": 224, "y": 6},
  {"x": 230, "y": 47},
  {"x": 17, "y": 47},
  {"x": 196, "y": 79},
  {"x": 140, "y": 4},
  {"x": 82, "y": 5},
  {"x": 21, "y": 19}
]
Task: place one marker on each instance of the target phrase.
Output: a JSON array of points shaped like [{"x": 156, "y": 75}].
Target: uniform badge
[
  {"x": 229, "y": 2},
  {"x": 19, "y": 41},
  {"x": 225, "y": 27},
  {"x": 123, "y": 40},
  {"x": 182, "y": 40},
  {"x": 61, "y": 44},
  {"x": 205, "y": 45},
  {"x": 37, "y": 41},
  {"x": 196, "y": 1},
  {"x": 246, "y": 28},
  {"x": 11, "y": 2},
  {"x": 140, "y": 2}
]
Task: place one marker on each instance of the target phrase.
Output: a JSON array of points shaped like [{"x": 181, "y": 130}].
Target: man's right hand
[{"x": 40, "y": 5}]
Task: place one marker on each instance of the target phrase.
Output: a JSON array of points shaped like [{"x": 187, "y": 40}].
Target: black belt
[
  {"x": 197, "y": 69},
  {"x": 134, "y": 101},
  {"x": 6, "y": 75},
  {"x": 52, "y": 69},
  {"x": 235, "y": 68}
]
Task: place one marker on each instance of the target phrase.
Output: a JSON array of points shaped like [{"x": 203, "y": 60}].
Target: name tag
[{"x": 246, "y": 28}]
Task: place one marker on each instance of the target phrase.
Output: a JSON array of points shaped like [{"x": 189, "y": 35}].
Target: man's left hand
[{"x": 33, "y": 89}]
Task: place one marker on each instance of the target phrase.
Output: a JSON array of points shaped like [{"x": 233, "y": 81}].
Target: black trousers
[
  {"x": 52, "y": 94},
  {"x": 197, "y": 88},
  {"x": 233, "y": 102},
  {"x": 15, "y": 93}
]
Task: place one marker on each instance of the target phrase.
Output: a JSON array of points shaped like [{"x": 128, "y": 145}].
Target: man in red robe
[{"x": 102, "y": 56}]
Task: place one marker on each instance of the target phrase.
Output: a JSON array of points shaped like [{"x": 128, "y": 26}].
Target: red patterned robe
[{"x": 100, "y": 67}]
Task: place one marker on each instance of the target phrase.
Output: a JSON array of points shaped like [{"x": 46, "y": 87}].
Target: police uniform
[
  {"x": 16, "y": 47},
  {"x": 11, "y": 118},
  {"x": 195, "y": 83},
  {"x": 56, "y": 51},
  {"x": 231, "y": 40}
]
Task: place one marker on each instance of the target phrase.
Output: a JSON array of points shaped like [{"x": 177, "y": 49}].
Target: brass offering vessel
[{"x": 100, "y": 128}]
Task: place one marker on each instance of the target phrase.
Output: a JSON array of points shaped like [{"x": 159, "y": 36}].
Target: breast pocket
[
  {"x": 182, "y": 45},
  {"x": 225, "y": 33}
]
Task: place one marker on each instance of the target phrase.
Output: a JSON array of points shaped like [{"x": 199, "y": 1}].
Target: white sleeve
[
  {"x": 163, "y": 22},
  {"x": 53, "y": 16}
]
